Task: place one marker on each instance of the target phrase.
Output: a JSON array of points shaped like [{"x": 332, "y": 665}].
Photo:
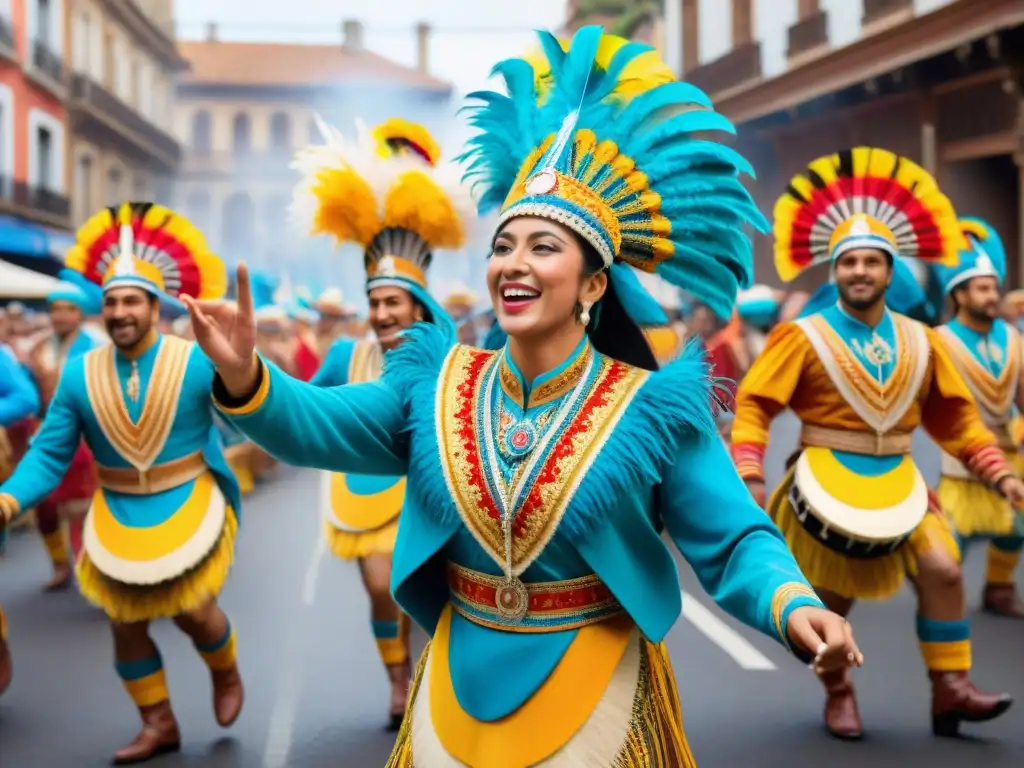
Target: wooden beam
[{"x": 981, "y": 146}]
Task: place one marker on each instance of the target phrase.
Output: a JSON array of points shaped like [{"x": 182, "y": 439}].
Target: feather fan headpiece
[
  {"x": 147, "y": 246},
  {"x": 598, "y": 136},
  {"x": 386, "y": 192},
  {"x": 863, "y": 198},
  {"x": 984, "y": 256}
]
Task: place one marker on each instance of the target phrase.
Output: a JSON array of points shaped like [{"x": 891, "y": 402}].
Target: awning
[
  {"x": 20, "y": 283},
  {"x": 26, "y": 245}
]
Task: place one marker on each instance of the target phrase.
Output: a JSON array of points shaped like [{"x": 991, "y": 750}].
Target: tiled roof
[{"x": 284, "y": 64}]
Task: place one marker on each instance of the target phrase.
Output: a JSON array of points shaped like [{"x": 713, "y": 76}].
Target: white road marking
[
  {"x": 724, "y": 636},
  {"x": 282, "y": 719},
  {"x": 320, "y": 549}
]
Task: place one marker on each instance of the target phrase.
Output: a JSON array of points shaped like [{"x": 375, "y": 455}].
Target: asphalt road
[{"x": 317, "y": 695}]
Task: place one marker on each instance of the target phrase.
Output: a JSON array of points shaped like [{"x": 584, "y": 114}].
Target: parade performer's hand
[
  {"x": 758, "y": 491},
  {"x": 8, "y": 509},
  {"x": 1012, "y": 488},
  {"x": 825, "y": 635},
  {"x": 226, "y": 332}
]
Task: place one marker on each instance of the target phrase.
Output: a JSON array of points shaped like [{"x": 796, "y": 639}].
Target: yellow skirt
[
  {"x": 974, "y": 508},
  {"x": 654, "y": 737},
  {"x": 349, "y": 545},
  {"x": 239, "y": 458},
  {"x": 859, "y": 579},
  {"x": 126, "y": 603}
]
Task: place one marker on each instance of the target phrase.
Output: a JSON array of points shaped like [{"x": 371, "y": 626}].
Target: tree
[{"x": 629, "y": 15}]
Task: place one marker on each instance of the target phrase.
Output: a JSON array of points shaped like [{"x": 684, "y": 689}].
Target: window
[
  {"x": 46, "y": 151},
  {"x": 44, "y": 22},
  {"x": 115, "y": 186},
  {"x": 202, "y": 132},
  {"x": 6, "y": 140},
  {"x": 83, "y": 188},
  {"x": 280, "y": 132},
  {"x": 122, "y": 71},
  {"x": 807, "y": 8},
  {"x": 242, "y": 134},
  {"x": 81, "y": 54}
]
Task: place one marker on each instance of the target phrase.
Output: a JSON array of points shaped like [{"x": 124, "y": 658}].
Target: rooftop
[{"x": 221, "y": 62}]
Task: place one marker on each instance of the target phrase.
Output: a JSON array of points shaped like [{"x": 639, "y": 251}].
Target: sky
[{"x": 470, "y": 35}]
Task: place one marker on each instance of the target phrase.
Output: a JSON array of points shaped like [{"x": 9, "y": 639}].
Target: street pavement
[{"x": 317, "y": 696}]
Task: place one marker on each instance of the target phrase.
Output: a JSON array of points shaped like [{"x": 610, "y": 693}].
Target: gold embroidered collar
[{"x": 550, "y": 389}]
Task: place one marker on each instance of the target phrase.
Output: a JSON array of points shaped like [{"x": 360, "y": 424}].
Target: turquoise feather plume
[{"x": 693, "y": 234}]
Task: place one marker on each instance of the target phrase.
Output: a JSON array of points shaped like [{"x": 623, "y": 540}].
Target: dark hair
[{"x": 612, "y": 332}]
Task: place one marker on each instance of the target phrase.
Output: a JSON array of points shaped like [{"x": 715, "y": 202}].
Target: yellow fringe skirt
[
  {"x": 974, "y": 508},
  {"x": 853, "y": 578},
  {"x": 350, "y": 545},
  {"x": 130, "y": 603},
  {"x": 239, "y": 458},
  {"x": 655, "y": 738}
]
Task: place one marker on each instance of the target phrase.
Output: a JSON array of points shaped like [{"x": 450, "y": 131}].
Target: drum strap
[{"x": 866, "y": 443}]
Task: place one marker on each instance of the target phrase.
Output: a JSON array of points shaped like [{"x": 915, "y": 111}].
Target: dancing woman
[{"x": 541, "y": 475}]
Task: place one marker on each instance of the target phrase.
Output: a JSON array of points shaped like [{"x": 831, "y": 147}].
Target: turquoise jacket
[
  {"x": 18, "y": 396},
  {"x": 654, "y": 465},
  {"x": 73, "y": 415}
]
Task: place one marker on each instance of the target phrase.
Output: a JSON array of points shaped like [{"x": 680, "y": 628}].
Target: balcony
[
  {"x": 876, "y": 10},
  {"x": 808, "y": 34},
  {"x": 8, "y": 48},
  {"x": 46, "y": 69},
  {"x": 37, "y": 204},
  {"x": 268, "y": 165},
  {"x": 739, "y": 66},
  {"x": 99, "y": 116}
]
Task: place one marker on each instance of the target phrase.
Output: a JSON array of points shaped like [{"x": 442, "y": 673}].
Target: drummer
[{"x": 854, "y": 508}]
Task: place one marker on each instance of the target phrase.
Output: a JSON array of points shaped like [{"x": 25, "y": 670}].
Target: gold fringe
[
  {"x": 656, "y": 737},
  {"x": 352, "y": 546},
  {"x": 129, "y": 603},
  {"x": 974, "y": 509},
  {"x": 858, "y": 579},
  {"x": 243, "y": 474}
]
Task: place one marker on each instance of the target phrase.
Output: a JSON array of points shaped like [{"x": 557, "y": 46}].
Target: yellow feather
[
  {"x": 826, "y": 168},
  {"x": 397, "y": 128},
  {"x": 346, "y": 206},
  {"x": 976, "y": 228},
  {"x": 416, "y": 203}
]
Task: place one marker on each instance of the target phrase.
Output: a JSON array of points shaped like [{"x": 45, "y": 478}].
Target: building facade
[
  {"x": 940, "y": 81},
  {"x": 33, "y": 114},
  {"x": 124, "y": 65},
  {"x": 244, "y": 108}
]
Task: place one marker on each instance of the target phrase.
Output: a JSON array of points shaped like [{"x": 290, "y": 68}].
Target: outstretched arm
[
  {"x": 18, "y": 395},
  {"x": 352, "y": 428},
  {"x": 736, "y": 551}
]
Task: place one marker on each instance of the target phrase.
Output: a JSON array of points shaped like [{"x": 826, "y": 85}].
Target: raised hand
[{"x": 226, "y": 332}]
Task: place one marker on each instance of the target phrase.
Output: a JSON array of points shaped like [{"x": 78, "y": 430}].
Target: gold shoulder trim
[{"x": 140, "y": 443}]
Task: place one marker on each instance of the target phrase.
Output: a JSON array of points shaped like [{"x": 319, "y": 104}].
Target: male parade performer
[
  {"x": 854, "y": 508},
  {"x": 18, "y": 401},
  {"x": 69, "y": 304},
  {"x": 414, "y": 208},
  {"x": 159, "y": 536},
  {"x": 335, "y": 319},
  {"x": 987, "y": 352},
  {"x": 459, "y": 305}
]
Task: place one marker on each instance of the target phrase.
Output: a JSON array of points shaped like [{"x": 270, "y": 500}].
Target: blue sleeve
[
  {"x": 333, "y": 370},
  {"x": 49, "y": 454},
  {"x": 357, "y": 428},
  {"x": 18, "y": 395},
  {"x": 738, "y": 554}
]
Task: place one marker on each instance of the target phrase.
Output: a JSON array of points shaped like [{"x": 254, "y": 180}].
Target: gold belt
[
  {"x": 866, "y": 443},
  {"x": 156, "y": 479}
]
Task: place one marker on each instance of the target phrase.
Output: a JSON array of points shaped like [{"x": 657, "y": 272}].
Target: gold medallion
[{"x": 512, "y": 600}]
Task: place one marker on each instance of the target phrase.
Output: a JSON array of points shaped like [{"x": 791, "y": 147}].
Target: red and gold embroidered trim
[
  {"x": 139, "y": 443},
  {"x": 549, "y": 390},
  {"x": 749, "y": 460},
  {"x": 561, "y": 471},
  {"x": 988, "y": 464}
]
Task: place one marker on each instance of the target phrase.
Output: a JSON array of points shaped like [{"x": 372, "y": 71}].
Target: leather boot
[
  {"x": 1003, "y": 600},
  {"x": 6, "y": 668},
  {"x": 842, "y": 718},
  {"x": 955, "y": 700},
  {"x": 159, "y": 735},
  {"x": 61, "y": 578},
  {"x": 401, "y": 680},
  {"x": 228, "y": 695}
]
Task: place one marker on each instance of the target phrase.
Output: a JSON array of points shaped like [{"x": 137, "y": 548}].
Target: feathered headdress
[
  {"x": 598, "y": 135},
  {"x": 984, "y": 256},
  {"x": 758, "y": 305},
  {"x": 147, "y": 246},
  {"x": 388, "y": 193},
  {"x": 863, "y": 198},
  {"x": 460, "y": 298},
  {"x": 270, "y": 314}
]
